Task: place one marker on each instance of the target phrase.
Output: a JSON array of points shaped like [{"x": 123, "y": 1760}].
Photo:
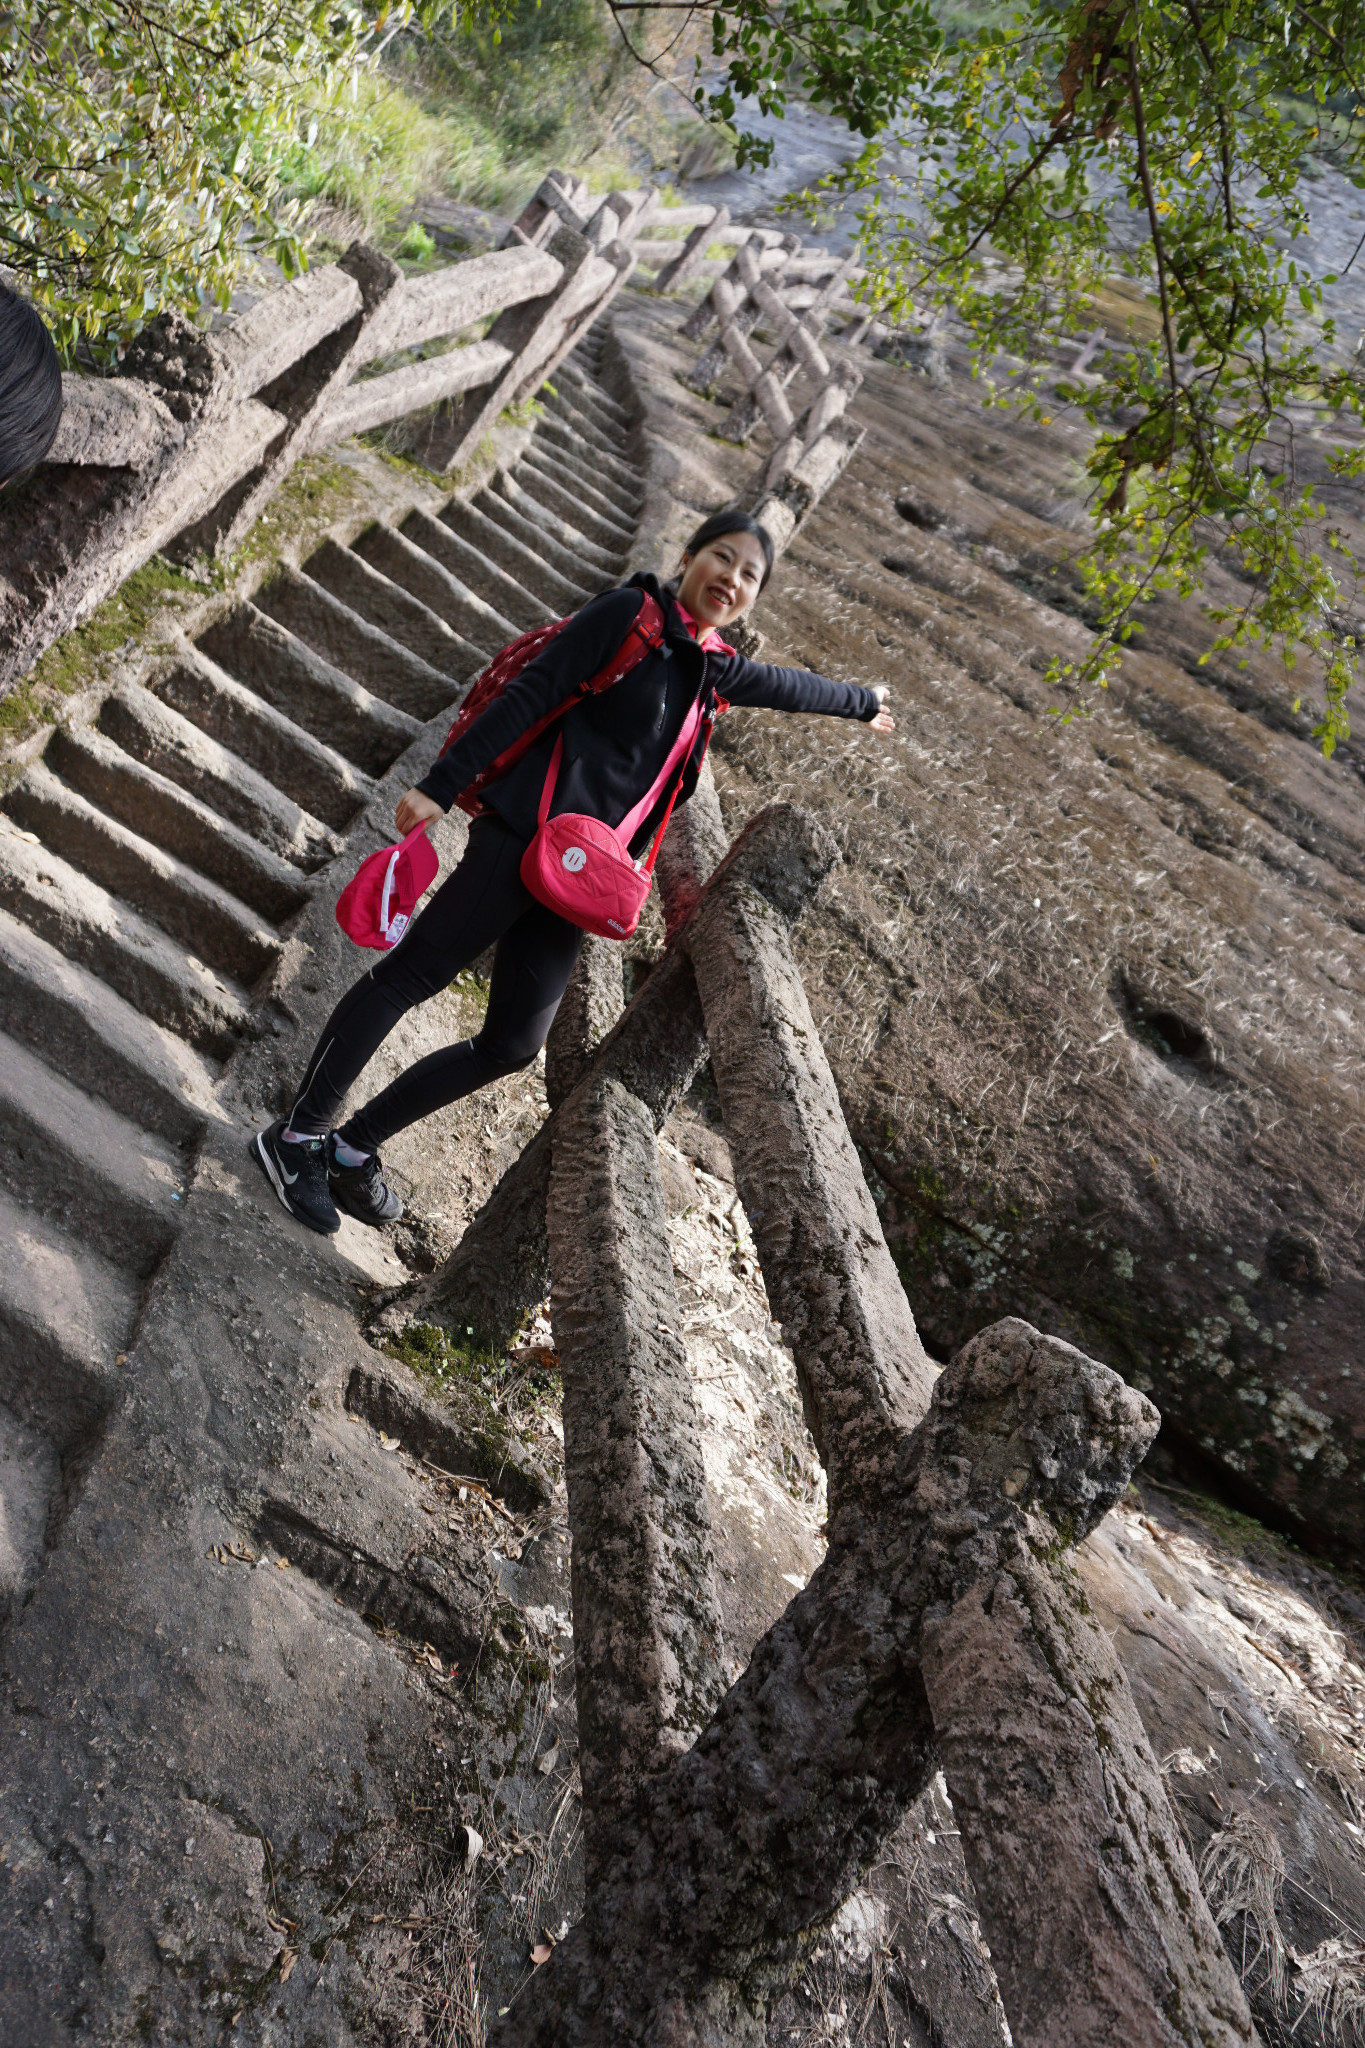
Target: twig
[{"x": 1154, "y": 218}]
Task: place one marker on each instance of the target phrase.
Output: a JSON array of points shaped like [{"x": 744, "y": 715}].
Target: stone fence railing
[
  {"x": 726, "y": 1820},
  {"x": 181, "y": 451},
  {"x": 771, "y": 278}
]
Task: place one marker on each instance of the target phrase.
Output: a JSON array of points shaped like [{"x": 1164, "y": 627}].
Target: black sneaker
[
  {"x": 297, "y": 1170},
  {"x": 361, "y": 1190}
]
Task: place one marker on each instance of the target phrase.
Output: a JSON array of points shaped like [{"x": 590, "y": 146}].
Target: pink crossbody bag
[{"x": 583, "y": 869}]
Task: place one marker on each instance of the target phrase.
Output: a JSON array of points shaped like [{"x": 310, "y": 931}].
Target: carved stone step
[
  {"x": 111, "y": 1185},
  {"x": 581, "y": 378},
  {"x": 567, "y": 408},
  {"x": 333, "y": 630},
  {"x": 65, "y": 1315},
  {"x": 338, "y": 721},
  {"x": 404, "y": 562},
  {"x": 596, "y": 501},
  {"x": 516, "y": 553},
  {"x": 170, "y": 817},
  {"x": 531, "y": 493},
  {"x": 90, "y": 926},
  {"x": 393, "y": 610},
  {"x": 154, "y": 733},
  {"x": 534, "y": 533},
  {"x": 186, "y": 906},
  {"x": 585, "y": 455},
  {"x": 269, "y": 738},
  {"x": 94, "y": 1036},
  {"x": 474, "y": 569}
]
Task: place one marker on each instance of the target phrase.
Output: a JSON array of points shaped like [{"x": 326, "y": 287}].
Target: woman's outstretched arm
[{"x": 766, "y": 685}]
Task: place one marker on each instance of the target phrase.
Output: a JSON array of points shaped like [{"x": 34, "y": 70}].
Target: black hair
[
  {"x": 30, "y": 386},
  {"x": 732, "y": 520}
]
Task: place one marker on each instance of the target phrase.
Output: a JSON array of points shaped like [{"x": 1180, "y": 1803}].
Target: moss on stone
[
  {"x": 509, "y": 1391},
  {"x": 78, "y": 658}
]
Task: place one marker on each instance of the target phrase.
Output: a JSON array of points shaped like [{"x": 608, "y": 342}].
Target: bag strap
[
  {"x": 646, "y": 866},
  {"x": 678, "y": 755},
  {"x": 719, "y": 706},
  {"x": 548, "y": 789},
  {"x": 676, "y": 761}
]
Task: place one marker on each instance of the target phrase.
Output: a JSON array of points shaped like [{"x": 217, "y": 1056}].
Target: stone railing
[
  {"x": 726, "y": 1822},
  {"x": 727, "y": 1819},
  {"x": 750, "y": 291},
  {"x": 180, "y": 452}
]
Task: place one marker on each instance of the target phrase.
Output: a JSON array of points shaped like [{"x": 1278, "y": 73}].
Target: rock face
[{"x": 1091, "y": 993}]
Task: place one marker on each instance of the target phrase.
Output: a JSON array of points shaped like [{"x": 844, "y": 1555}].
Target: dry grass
[
  {"x": 1330, "y": 1981},
  {"x": 1242, "y": 1872}
]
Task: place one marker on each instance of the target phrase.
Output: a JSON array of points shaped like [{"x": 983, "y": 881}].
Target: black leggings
[{"x": 485, "y": 899}]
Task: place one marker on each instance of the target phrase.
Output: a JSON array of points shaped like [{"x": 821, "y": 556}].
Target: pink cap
[{"x": 376, "y": 906}]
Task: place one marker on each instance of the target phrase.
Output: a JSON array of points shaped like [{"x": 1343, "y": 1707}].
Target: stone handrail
[
  {"x": 726, "y": 1823},
  {"x": 816, "y": 443},
  {"x": 180, "y": 451}
]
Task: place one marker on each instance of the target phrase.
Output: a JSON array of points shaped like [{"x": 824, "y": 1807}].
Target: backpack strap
[{"x": 646, "y": 636}]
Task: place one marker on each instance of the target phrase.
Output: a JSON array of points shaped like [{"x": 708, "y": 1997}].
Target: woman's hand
[
  {"x": 883, "y": 722},
  {"x": 416, "y": 809}
]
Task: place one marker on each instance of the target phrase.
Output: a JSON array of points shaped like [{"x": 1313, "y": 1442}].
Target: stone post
[{"x": 648, "y": 1668}]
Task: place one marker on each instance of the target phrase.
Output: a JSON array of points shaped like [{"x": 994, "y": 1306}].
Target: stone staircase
[{"x": 157, "y": 858}]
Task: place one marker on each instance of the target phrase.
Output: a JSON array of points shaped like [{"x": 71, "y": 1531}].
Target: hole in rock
[
  {"x": 1172, "y": 1037},
  {"x": 920, "y": 513}
]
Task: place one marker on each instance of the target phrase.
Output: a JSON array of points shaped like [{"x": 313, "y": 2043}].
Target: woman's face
[{"x": 722, "y": 579}]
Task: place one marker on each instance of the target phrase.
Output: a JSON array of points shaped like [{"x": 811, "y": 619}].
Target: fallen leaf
[
  {"x": 388, "y": 1443},
  {"x": 281, "y": 1564},
  {"x": 288, "y": 1958},
  {"x": 473, "y": 1846},
  {"x": 548, "y": 1761},
  {"x": 541, "y": 1953}
]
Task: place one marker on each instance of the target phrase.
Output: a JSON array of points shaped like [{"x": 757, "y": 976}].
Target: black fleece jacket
[{"x": 616, "y": 743}]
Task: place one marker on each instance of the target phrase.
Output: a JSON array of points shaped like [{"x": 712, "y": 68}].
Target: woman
[{"x": 615, "y": 745}]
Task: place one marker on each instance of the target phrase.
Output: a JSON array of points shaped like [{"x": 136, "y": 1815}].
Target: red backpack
[{"x": 644, "y": 637}]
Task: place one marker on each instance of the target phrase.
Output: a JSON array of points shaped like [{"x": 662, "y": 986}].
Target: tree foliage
[
  {"x": 142, "y": 144},
  {"x": 1060, "y": 141}
]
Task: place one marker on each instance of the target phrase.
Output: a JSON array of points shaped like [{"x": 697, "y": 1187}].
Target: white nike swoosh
[
  {"x": 271, "y": 1165},
  {"x": 289, "y": 1178}
]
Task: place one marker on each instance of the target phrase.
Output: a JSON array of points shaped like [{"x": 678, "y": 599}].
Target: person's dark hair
[
  {"x": 734, "y": 521},
  {"x": 30, "y": 386}
]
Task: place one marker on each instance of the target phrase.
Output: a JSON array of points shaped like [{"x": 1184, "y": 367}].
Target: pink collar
[{"x": 710, "y": 641}]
